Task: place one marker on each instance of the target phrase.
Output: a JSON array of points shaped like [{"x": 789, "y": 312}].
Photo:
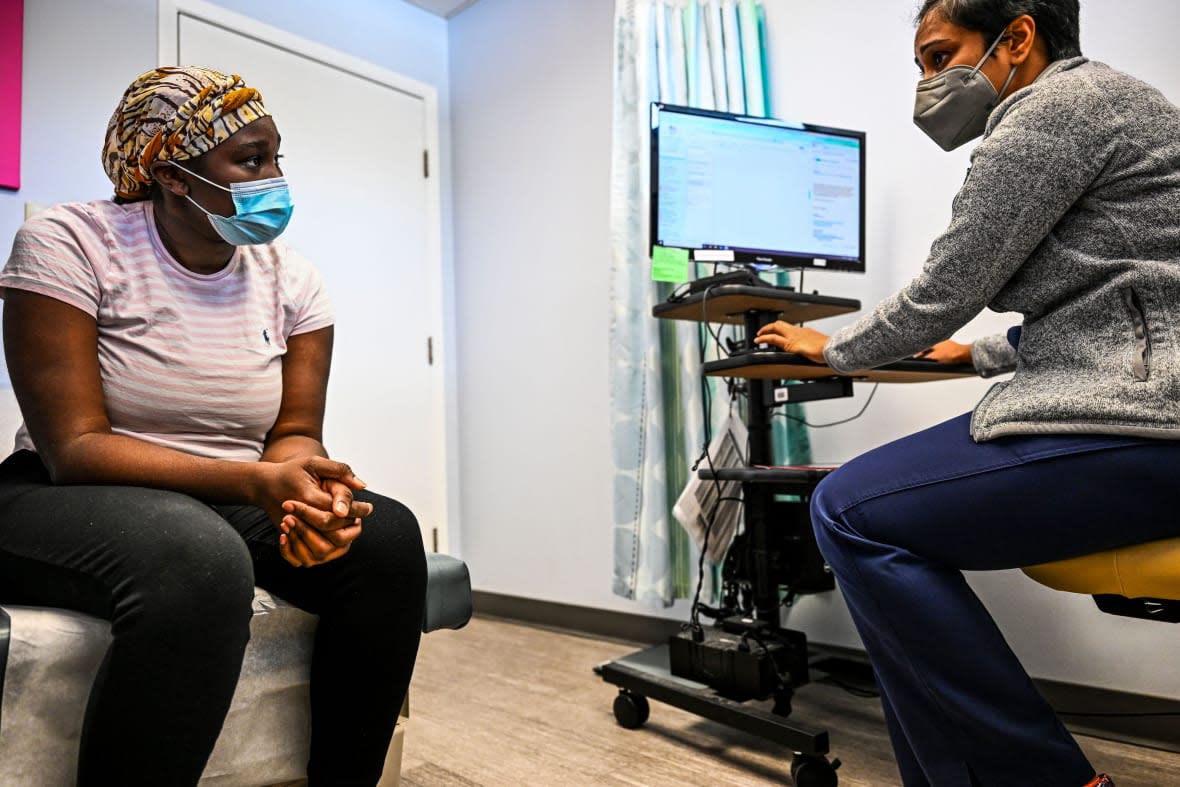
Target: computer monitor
[{"x": 739, "y": 189}]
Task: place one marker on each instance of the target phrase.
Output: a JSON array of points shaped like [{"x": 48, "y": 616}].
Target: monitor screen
[{"x": 752, "y": 190}]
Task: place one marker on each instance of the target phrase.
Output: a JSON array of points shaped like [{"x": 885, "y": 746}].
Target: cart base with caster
[{"x": 645, "y": 675}]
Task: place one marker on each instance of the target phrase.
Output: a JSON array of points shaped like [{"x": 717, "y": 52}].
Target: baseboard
[
  {"x": 1150, "y": 721},
  {"x": 1159, "y": 730},
  {"x": 604, "y": 623}
]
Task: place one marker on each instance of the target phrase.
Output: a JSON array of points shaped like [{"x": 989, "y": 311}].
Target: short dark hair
[{"x": 1057, "y": 20}]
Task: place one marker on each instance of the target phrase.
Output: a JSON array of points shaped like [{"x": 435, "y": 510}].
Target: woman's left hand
[
  {"x": 304, "y": 545},
  {"x": 311, "y": 536},
  {"x": 947, "y": 352},
  {"x": 794, "y": 339}
]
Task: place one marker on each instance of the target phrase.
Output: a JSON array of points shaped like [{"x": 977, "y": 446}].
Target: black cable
[
  {"x": 851, "y": 688},
  {"x": 859, "y": 413},
  {"x": 855, "y": 691},
  {"x": 707, "y": 407},
  {"x": 679, "y": 293},
  {"x": 695, "y": 614},
  {"x": 707, "y": 412},
  {"x": 709, "y": 325},
  {"x": 706, "y": 394}
]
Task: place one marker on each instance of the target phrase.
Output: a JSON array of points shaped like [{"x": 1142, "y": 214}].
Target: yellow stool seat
[{"x": 1150, "y": 570}]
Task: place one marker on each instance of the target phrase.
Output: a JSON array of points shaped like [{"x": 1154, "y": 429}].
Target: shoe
[{"x": 1101, "y": 780}]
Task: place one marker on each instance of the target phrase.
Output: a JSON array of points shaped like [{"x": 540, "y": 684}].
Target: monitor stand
[{"x": 747, "y": 277}]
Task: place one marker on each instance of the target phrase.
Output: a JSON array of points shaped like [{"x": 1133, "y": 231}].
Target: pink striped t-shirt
[{"x": 188, "y": 361}]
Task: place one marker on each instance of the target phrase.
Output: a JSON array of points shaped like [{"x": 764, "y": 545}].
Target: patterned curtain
[{"x": 708, "y": 54}]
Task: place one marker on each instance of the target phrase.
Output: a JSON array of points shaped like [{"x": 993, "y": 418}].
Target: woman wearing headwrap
[{"x": 170, "y": 359}]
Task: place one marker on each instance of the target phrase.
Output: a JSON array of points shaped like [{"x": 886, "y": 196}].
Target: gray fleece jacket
[{"x": 1070, "y": 215}]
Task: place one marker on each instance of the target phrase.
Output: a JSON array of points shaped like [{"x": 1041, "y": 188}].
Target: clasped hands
[{"x": 310, "y": 499}]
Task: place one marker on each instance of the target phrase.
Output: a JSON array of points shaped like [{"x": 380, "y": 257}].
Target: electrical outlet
[{"x": 33, "y": 208}]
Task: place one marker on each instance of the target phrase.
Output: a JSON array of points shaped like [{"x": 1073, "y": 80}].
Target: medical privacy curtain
[{"x": 708, "y": 54}]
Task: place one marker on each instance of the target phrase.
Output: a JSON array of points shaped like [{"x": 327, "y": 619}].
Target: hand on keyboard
[
  {"x": 793, "y": 339},
  {"x": 947, "y": 352}
]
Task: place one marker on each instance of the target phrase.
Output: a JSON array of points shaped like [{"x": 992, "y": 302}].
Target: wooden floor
[{"x": 499, "y": 703}]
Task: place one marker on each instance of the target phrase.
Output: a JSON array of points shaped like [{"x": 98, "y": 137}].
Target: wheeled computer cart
[{"x": 776, "y": 553}]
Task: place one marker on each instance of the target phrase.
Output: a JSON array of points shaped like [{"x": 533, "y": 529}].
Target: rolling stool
[{"x": 1140, "y": 581}]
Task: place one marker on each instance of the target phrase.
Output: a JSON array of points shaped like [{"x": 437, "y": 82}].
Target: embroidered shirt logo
[{"x": 266, "y": 336}]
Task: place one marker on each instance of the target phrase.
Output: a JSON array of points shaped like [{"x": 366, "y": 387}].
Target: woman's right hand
[
  {"x": 306, "y": 480},
  {"x": 793, "y": 339}
]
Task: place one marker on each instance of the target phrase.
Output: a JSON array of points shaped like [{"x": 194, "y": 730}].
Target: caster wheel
[
  {"x": 631, "y": 709},
  {"x": 810, "y": 771}
]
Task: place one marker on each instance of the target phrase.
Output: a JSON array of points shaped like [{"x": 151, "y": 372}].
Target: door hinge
[
  {"x": 426, "y": 163},
  {"x": 434, "y": 539},
  {"x": 430, "y": 350}
]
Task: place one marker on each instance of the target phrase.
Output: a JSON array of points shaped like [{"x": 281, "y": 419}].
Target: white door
[{"x": 354, "y": 151}]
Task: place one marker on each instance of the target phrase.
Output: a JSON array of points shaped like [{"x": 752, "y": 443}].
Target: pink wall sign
[{"x": 11, "y": 36}]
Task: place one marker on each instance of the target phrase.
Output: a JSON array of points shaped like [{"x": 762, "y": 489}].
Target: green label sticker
[{"x": 669, "y": 264}]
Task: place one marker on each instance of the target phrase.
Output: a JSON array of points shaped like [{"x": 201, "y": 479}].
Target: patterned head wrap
[{"x": 173, "y": 114}]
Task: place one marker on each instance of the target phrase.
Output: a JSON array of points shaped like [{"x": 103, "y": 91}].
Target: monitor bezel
[{"x": 756, "y": 257}]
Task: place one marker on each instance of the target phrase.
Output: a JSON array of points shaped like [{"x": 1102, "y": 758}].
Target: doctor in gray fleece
[{"x": 1070, "y": 215}]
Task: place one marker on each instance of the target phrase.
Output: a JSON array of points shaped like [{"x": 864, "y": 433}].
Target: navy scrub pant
[{"x": 898, "y": 526}]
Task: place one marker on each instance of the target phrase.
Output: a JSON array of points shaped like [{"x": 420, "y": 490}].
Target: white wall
[
  {"x": 531, "y": 112},
  {"x": 79, "y": 57},
  {"x": 531, "y": 92}
]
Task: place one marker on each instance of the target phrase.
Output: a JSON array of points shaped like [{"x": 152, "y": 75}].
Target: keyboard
[{"x": 779, "y": 365}]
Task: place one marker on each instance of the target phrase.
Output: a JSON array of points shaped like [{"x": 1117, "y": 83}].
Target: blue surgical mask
[{"x": 262, "y": 209}]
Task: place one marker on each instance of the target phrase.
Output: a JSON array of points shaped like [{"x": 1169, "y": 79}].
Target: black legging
[{"x": 175, "y": 577}]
